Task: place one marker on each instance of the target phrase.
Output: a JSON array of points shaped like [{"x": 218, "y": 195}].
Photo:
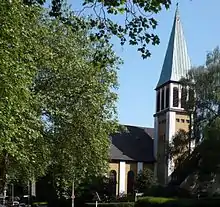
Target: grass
[{"x": 158, "y": 200}]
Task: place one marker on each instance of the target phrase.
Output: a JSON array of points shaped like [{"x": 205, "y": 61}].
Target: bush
[
  {"x": 121, "y": 204},
  {"x": 145, "y": 181},
  {"x": 175, "y": 202},
  {"x": 168, "y": 191}
]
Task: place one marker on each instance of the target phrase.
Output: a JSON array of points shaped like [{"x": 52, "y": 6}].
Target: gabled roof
[
  {"x": 177, "y": 62},
  {"x": 134, "y": 144}
]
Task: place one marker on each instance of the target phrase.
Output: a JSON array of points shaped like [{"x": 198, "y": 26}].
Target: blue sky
[{"x": 138, "y": 77}]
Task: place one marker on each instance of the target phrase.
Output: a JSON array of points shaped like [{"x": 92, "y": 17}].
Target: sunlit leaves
[
  {"x": 22, "y": 145},
  {"x": 57, "y": 103},
  {"x": 76, "y": 84},
  {"x": 136, "y": 23}
]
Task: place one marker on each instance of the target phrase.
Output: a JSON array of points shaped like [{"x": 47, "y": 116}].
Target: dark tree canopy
[
  {"x": 205, "y": 108},
  {"x": 145, "y": 181}
]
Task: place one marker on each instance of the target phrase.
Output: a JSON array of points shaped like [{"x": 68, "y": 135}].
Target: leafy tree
[
  {"x": 137, "y": 23},
  {"x": 205, "y": 104},
  {"x": 57, "y": 98},
  {"x": 204, "y": 81},
  {"x": 179, "y": 147},
  {"x": 24, "y": 151},
  {"x": 76, "y": 88},
  {"x": 145, "y": 181}
]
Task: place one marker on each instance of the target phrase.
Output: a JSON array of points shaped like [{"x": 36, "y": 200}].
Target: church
[{"x": 138, "y": 147}]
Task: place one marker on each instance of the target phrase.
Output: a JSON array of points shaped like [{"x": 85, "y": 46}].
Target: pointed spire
[
  {"x": 177, "y": 62},
  {"x": 177, "y": 8}
]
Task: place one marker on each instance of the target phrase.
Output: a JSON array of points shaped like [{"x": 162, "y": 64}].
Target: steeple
[
  {"x": 177, "y": 62},
  {"x": 171, "y": 97}
]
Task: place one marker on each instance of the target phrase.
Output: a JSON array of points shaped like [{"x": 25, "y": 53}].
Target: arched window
[
  {"x": 162, "y": 100},
  {"x": 183, "y": 97},
  {"x": 113, "y": 182},
  {"x": 158, "y": 101},
  {"x": 167, "y": 97},
  {"x": 175, "y": 97},
  {"x": 130, "y": 182}
]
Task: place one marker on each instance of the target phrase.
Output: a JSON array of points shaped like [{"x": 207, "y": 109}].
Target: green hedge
[
  {"x": 121, "y": 204},
  {"x": 174, "y": 202}
]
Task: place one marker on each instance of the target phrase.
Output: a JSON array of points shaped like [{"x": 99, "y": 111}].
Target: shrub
[
  {"x": 121, "y": 204},
  {"x": 145, "y": 181},
  {"x": 169, "y": 191}
]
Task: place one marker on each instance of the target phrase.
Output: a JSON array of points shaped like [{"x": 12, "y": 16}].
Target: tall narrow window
[
  {"x": 167, "y": 97},
  {"x": 113, "y": 182},
  {"x": 191, "y": 95},
  {"x": 158, "y": 101},
  {"x": 183, "y": 97},
  {"x": 130, "y": 182},
  {"x": 175, "y": 97},
  {"x": 162, "y": 100}
]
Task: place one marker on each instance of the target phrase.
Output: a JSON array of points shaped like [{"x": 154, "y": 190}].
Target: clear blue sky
[{"x": 138, "y": 77}]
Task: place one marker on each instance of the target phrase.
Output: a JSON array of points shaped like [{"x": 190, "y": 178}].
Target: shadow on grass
[{"x": 175, "y": 202}]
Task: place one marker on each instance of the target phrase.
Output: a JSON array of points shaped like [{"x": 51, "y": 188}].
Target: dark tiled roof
[{"x": 134, "y": 144}]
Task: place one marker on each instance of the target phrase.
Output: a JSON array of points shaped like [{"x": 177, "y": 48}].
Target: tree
[
  {"x": 145, "y": 181},
  {"x": 205, "y": 104},
  {"x": 204, "y": 82},
  {"x": 137, "y": 20},
  {"x": 24, "y": 151},
  {"x": 179, "y": 148},
  {"x": 76, "y": 87},
  {"x": 58, "y": 98}
]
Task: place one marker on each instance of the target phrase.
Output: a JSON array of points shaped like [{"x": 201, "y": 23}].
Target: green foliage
[
  {"x": 87, "y": 189},
  {"x": 137, "y": 23},
  {"x": 205, "y": 108},
  {"x": 145, "y": 181},
  {"x": 121, "y": 204},
  {"x": 179, "y": 147},
  {"x": 204, "y": 81},
  {"x": 23, "y": 150},
  {"x": 57, "y": 98},
  {"x": 76, "y": 89}
]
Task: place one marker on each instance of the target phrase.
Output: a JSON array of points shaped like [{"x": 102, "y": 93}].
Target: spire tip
[{"x": 177, "y": 8}]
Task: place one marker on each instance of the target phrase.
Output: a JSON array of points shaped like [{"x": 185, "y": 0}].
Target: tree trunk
[
  {"x": 3, "y": 181},
  {"x": 190, "y": 132}
]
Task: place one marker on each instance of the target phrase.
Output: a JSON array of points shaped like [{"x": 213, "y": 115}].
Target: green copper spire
[{"x": 177, "y": 62}]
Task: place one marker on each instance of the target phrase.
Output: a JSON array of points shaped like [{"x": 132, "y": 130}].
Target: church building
[
  {"x": 140, "y": 148},
  {"x": 136, "y": 148}
]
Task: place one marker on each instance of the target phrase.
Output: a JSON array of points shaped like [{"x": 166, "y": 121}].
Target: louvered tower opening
[{"x": 175, "y": 97}]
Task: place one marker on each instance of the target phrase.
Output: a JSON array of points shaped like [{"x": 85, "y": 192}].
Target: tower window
[
  {"x": 158, "y": 101},
  {"x": 183, "y": 97},
  {"x": 175, "y": 97},
  {"x": 162, "y": 100},
  {"x": 167, "y": 97},
  {"x": 191, "y": 95},
  {"x": 182, "y": 120},
  {"x": 178, "y": 120}
]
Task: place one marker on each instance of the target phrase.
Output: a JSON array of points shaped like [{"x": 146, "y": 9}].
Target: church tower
[{"x": 170, "y": 116}]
